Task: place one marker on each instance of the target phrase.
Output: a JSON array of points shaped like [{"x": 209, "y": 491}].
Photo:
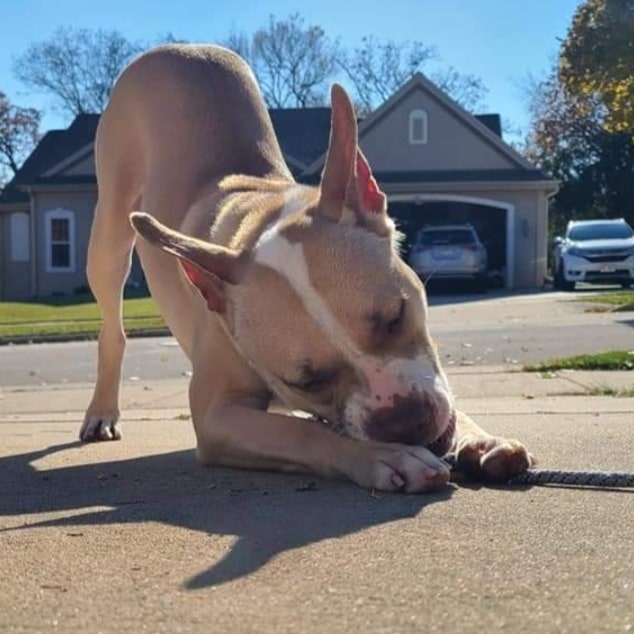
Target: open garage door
[{"x": 492, "y": 221}]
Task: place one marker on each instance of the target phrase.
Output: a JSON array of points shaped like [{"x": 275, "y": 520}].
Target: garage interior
[{"x": 489, "y": 222}]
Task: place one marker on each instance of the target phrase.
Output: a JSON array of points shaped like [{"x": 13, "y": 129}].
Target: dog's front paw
[
  {"x": 100, "y": 425},
  {"x": 491, "y": 458},
  {"x": 393, "y": 467}
]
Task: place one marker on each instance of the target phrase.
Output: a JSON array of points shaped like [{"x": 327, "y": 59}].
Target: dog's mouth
[
  {"x": 444, "y": 442},
  {"x": 440, "y": 447}
]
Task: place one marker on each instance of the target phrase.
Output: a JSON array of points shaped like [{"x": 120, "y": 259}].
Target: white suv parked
[
  {"x": 594, "y": 251},
  {"x": 450, "y": 252}
]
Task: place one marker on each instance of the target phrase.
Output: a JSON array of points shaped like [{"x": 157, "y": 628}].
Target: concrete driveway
[{"x": 133, "y": 536}]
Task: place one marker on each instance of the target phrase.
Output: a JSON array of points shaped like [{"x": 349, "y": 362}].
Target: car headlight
[{"x": 574, "y": 251}]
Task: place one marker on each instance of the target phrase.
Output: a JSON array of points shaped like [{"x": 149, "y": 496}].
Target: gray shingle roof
[
  {"x": 54, "y": 147},
  {"x": 302, "y": 132}
]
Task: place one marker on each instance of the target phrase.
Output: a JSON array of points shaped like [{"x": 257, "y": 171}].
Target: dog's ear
[
  {"x": 347, "y": 184},
  {"x": 340, "y": 158},
  {"x": 207, "y": 266}
]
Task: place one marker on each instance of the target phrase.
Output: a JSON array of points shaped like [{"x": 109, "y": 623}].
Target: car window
[
  {"x": 446, "y": 236},
  {"x": 600, "y": 231}
]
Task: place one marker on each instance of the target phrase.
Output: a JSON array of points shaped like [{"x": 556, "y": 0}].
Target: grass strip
[
  {"x": 76, "y": 327},
  {"x": 70, "y": 315},
  {"x": 613, "y": 360},
  {"x": 608, "y": 390},
  {"x": 619, "y": 300}
]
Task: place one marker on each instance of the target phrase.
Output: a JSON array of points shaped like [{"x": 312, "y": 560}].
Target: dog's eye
[
  {"x": 392, "y": 325},
  {"x": 313, "y": 381},
  {"x": 315, "y": 385}
]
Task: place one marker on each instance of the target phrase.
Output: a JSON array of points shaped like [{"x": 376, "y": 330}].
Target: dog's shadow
[{"x": 268, "y": 513}]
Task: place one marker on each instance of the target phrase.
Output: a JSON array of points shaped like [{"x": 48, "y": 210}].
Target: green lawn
[
  {"x": 618, "y": 299},
  {"x": 614, "y": 360},
  {"x": 66, "y": 315}
]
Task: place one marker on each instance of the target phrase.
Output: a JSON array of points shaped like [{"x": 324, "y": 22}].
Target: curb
[{"x": 80, "y": 336}]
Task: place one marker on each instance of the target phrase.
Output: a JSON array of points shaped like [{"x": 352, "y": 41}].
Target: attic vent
[{"x": 417, "y": 127}]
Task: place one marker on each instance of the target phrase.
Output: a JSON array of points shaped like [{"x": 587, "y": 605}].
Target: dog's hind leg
[{"x": 109, "y": 259}]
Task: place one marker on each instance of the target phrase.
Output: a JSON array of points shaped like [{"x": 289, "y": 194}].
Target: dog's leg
[
  {"x": 481, "y": 456},
  {"x": 239, "y": 436},
  {"x": 109, "y": 257}
]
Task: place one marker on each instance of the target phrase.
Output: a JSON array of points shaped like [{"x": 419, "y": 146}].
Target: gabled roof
[
  {"x": 485, "y": 126},
  {"x": 478, "y": 125},
  {"x": 54, "y": 147},
  {"x": 303, "y": 134},
  {"x": 491, "y": 121},
  {"x": 48, "y": 149}
]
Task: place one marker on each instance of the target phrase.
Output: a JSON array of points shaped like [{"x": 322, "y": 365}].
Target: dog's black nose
[{"x": 410, "y": 420}]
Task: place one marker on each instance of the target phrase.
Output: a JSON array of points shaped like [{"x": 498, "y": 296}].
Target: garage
[{"x": 493, "y": 221}]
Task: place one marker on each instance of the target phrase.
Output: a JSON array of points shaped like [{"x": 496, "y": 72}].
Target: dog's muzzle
[{"x": 413, "y": 420}]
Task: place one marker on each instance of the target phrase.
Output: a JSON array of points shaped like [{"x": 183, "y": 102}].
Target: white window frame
[
  {"x": 414, "y": 117},
  {"x": 20, "y": 235},
  {"x": 59, "y": 214}
]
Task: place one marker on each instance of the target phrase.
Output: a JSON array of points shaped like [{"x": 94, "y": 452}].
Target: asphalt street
[{"x": 497, "y": 329}]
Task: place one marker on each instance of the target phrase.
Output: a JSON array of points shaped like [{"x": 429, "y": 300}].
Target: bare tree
[
  {"x": 240, "y": 43},
  {"x": 378, "y": 68},
  {"x": 76, "y": 67},
  {"x": 467, "y": 90},
  {"x": 166, "y": 38},
  {"x": 19, "y": 133},
  {"x": 293, "y": 62}
]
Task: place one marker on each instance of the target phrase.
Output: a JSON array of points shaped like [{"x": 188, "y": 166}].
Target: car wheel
[
  {"x": 481, "y": 284},
  {"x": 560, "y": 282},
  {"x": 626, "y": 284}
]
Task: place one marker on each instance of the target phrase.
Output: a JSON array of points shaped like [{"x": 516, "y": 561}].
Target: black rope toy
[
  {"x": 605, "y": 479},
  {"x": 544, "y": 477}
]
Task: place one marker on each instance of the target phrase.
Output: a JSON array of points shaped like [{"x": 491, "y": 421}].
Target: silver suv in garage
[
  {"x": 594, "y": 251},
  {"x": 450, "y": 252}
]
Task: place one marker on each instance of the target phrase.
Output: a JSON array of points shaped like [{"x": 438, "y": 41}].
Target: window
[
  {"x": 417, "y": 127},
  {"x": 600, "y": 231},
  {"x": 60, "y": 240},
  {"x": 20, "y": 238}
]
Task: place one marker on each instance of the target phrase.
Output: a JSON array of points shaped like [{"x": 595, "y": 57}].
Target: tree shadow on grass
[{"x": 269, "y": 513}]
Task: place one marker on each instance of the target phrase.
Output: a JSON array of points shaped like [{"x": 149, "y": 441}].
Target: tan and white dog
[{"x": 274, "y": 290}]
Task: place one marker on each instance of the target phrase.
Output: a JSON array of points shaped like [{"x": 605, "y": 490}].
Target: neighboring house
[{"x": 436, "y": 162}]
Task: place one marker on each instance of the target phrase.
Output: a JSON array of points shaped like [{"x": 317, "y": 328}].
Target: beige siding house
[{"x": 436, "y": 162}]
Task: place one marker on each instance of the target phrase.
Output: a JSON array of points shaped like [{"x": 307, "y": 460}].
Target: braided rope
[
  {"x": 604, "y": 479},
  {"x": 544, "y": 477}
]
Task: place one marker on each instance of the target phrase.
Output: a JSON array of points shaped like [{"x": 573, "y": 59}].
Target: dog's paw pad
[
  {"x": 491, "y": 458},
  {"x": 98, "y": 427}
]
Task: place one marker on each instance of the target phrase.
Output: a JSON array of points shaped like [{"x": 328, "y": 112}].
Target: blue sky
[{"x": 501, "y": 41}]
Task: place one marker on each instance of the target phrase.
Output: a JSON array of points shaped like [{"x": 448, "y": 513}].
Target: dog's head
[{"x": 323, "y": 307}]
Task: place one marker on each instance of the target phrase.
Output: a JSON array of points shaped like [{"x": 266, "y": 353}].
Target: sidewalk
[{"x": 134, "y": 536}]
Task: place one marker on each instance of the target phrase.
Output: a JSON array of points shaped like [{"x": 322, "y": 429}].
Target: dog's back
[{"x": 180, "y": 117}]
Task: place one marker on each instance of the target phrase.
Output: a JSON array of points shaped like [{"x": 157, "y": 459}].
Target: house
[{"x": 436, "y": 162}]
